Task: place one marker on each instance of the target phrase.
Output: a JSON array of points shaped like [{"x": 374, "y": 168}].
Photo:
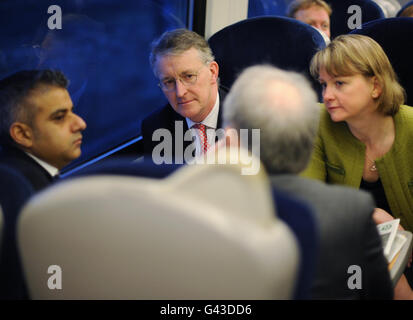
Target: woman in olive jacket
[{"x": 365, "y": 137}]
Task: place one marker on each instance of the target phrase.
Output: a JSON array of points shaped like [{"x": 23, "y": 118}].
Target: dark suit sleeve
[
  {"x": 375, "y": 275},
  {"x": 38, "y": 177},
  {"x": 154, "y": 121}
]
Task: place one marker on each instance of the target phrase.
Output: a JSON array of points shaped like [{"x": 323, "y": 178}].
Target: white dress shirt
[
  {"x": 210, "y": 122},
  {"x": 53, "y": 171}
]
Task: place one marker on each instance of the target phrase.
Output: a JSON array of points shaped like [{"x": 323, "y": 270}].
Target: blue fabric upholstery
[
  {"x": 15, "y": 190},
  {"x": 126, "y": 166},
  {"x": 408, "y": 4},
  {"x": 264, "y": 8},
  {"x": 339, "y": 17},
  {"x": 283, "y": 42},
  {"x": 394, "y": 35},
  {"x": 299, "y": 217}
]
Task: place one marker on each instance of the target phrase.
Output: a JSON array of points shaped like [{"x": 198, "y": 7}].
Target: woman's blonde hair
[{"x": 353, "y": 54}]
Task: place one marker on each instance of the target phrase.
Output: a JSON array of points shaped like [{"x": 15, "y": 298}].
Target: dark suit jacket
[
  {"x": 348, "y": 236},
  {"x": 15, "y": 191},
  {"x": 166, "y": 118},
  {"x": 38, "y": 177},
  {"x": 33, "y": 177}
]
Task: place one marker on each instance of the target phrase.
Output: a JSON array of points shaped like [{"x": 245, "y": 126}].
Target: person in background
[
  {"x": 316, "y": 13},
  {"x": 407, "y": 12},
  {"x": 389, "y": 7},
  {"x": 188, "y": 76}
]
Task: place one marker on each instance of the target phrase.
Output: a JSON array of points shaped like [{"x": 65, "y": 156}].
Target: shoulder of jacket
[{"x": 406, "y": 111}]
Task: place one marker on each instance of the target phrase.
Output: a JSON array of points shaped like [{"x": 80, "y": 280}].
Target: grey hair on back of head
[{"x": 288, "y": 125}]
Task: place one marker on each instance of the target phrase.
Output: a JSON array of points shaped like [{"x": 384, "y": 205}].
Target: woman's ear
[
  {"x": 377, "y": 88},
  {"x": 22, "y": 134}
]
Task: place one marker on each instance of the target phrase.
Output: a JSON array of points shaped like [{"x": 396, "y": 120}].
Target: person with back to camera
[
  {"x": 365, "y": 137},
  {"x": 284, "y": 107}
]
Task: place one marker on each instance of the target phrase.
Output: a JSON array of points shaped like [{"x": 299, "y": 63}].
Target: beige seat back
[{"x": 206, "y": 232}]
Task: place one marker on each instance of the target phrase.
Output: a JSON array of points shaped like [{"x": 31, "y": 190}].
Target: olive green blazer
[{"x": 338, "y": 158}]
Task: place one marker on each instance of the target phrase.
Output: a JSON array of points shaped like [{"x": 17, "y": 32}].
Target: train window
[
  {"x": 267, "y": 7},
  {"x": 102, "y": 46}
]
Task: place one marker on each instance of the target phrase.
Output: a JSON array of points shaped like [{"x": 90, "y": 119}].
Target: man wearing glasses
[{"x": 188, "y": 76}]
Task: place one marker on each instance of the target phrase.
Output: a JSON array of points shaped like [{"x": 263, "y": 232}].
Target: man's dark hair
[{"x": 14, "y": 91}]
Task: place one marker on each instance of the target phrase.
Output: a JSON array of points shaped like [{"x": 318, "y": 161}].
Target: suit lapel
[{"x": 222, "y": 95}]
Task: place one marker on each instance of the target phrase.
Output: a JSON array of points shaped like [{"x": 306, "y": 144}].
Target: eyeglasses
[{"x": 187, "y": 79}]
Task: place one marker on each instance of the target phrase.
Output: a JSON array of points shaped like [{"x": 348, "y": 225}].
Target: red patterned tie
[{"x": 203, "y": 136}]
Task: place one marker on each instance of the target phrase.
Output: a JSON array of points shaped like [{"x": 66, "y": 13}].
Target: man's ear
[
  {"x": 22, "y": 134},
  {"x": 214, "y": 68}
]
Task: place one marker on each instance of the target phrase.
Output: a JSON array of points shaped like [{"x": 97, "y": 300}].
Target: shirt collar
[
  {"x": 53, "y": 171},
  {"x": 211, "y": 119}
]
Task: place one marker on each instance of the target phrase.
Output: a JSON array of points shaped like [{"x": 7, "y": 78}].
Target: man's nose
[
  {"x": 180, "y": 88},
  {"x": 78, "y": 124}
]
